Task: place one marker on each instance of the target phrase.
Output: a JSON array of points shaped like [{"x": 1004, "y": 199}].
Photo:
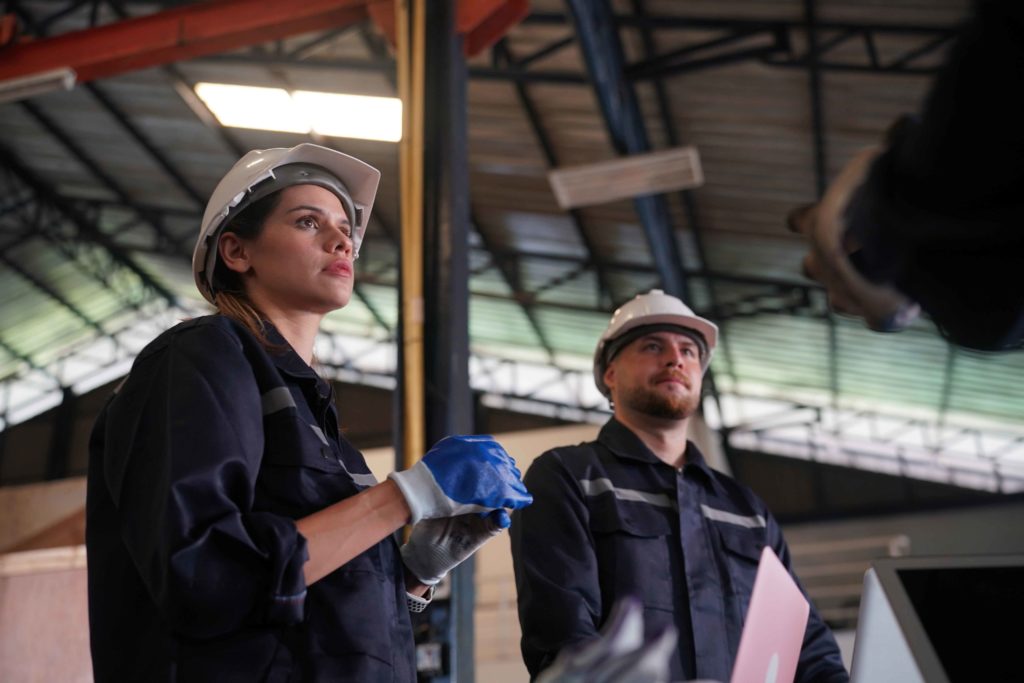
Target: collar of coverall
[{"x": 620, "y": 440}]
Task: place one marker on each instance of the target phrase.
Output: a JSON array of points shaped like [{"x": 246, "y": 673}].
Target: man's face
[{"x": 658, "y": 374}]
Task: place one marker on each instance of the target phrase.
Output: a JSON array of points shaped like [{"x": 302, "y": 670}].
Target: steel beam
[
  {"x": 46, "y": 221},
  {"x": 86, "y": 230},
  {"x": 143, "y": 140},
  {"x": 174, "y": 35},
  {"x": 51, "y": 293},
  {"x": 503, "y": 52},
  {"x": 676, "y": 22},
  {"x": 543, "y": 52},
  {"x": 598, "y": 39},
  {"x": 51, "y": 127},
  {"x": 509, "y": 275},
  {"x": 689, "y": 201},
  {"x": 817, "y": 107},
  {"x": 907, "y": 446},
  {"x": 446, "y": 275},
  {"x": 772, "y": 53},
  {"x": 186, "y": 90},
  {"x": 40, "y": 29},
  {"x": 27, "y": 360}
]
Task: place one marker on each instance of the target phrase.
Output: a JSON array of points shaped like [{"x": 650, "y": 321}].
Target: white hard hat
[
  {"x": 253, "y": 177},
  {"x": 652, "y": 308}
]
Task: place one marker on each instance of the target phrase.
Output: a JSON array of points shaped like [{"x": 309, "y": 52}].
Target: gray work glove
[{"x": 436, "y": 546}]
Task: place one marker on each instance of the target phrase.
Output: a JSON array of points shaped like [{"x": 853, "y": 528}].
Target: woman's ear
[{"x": 233, "y": 252}]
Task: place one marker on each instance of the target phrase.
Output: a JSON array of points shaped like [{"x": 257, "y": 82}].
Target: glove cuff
[{"x": 416, "y": 484}]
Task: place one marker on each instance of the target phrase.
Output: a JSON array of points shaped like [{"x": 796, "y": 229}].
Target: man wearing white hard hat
[
  {"x": 639, "y": 513},
  {"x": 233, "y": 533}
]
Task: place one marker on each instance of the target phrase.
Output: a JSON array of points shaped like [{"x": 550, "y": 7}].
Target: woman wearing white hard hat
[{"x": 232, "y": 532}]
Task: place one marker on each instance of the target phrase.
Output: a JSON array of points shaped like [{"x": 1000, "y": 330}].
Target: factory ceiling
[{"x": 102, "y": 187}]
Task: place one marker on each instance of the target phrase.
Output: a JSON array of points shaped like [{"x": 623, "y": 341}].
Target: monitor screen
[
  {"x": 973, "y": 617},
  {"x": 940, "y": 619}
]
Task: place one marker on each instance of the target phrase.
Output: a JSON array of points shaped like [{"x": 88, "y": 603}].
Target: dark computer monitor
[{"x": 941, "y": 620}]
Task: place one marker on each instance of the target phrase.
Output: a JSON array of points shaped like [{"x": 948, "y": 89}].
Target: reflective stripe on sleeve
[{"x": 362, "y": 479}]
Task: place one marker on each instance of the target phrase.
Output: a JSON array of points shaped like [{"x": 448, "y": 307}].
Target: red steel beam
[{"x": 174, "y": 35}]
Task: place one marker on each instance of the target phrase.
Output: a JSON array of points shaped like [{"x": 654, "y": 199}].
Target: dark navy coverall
[
  {"x": 610, "y": 519},
  {"x": 199, "y": 466}
]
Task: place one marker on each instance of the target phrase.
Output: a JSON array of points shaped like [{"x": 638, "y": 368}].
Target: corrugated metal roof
[{"x": 102, "y": 205}]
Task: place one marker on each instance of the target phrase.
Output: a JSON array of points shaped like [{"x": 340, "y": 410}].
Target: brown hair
[{"x": 229, "y": 296}]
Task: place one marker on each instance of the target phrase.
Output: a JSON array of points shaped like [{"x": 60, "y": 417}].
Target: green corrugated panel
[
  {"x": 574, "y": 332},
  {"x": 490, "y": 281},
  {"x": 907, "y": 368},
  {"x": 795, "y": 352},
  {"x": 495, "y": 321},
  {"x": 357, "y": 320},
  {"x": 36, "y": 325},
  {"x": 9, "y": 366},
  {"x": 578, "y": 291},
  {"x": 989, "y": 384},
  {"x": 87, "y": 295},
  {"x": 48, "y": 336},
  {"x": 787, "y": 351}
]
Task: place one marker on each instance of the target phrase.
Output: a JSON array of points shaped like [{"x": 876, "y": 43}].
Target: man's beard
[{"x": 656, "y": 404}]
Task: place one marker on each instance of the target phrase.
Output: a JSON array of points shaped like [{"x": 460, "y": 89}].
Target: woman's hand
[
  {"x": 436, "y": 546},
  {"x": 460, "y": 475}
]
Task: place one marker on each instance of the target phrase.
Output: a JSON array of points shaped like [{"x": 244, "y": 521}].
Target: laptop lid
[{"x": 773, "y": 631}]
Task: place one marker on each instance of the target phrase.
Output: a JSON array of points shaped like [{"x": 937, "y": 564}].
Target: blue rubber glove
[
  {"x": 436, "y": 546},
  {"x": 459, "y": 475}
]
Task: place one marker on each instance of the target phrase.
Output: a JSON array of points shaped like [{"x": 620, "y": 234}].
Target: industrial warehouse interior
[{"x": 586, "y": 152}]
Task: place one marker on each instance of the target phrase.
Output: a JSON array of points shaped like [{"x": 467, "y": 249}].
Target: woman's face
[{"x": 302, "y": 259}]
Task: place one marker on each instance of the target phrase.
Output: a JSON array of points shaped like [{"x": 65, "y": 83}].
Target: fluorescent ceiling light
[
  {"x": 242, "y": 106},
  {"x": 303, "y": 111},
  {"x": 352, "y": 116}
]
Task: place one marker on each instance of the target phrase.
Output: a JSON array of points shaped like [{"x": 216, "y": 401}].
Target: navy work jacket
[
  {"x": 610, "y": 519},
  {"x": 199, "y": 466}
]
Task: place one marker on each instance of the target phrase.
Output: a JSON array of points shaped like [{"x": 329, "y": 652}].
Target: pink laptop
[{"x": 774, "y": 628}]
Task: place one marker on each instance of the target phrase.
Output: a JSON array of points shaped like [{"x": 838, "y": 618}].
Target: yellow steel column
[{"x": 410, "y": 16}]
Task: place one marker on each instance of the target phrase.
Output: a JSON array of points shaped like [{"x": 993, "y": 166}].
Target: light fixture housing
[
  {"x": 24, "y": 87},
  {"x": 304, "y": 111}
]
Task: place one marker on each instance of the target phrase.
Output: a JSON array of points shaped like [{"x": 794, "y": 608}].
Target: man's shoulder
[{"x": 569, "y": 456}]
